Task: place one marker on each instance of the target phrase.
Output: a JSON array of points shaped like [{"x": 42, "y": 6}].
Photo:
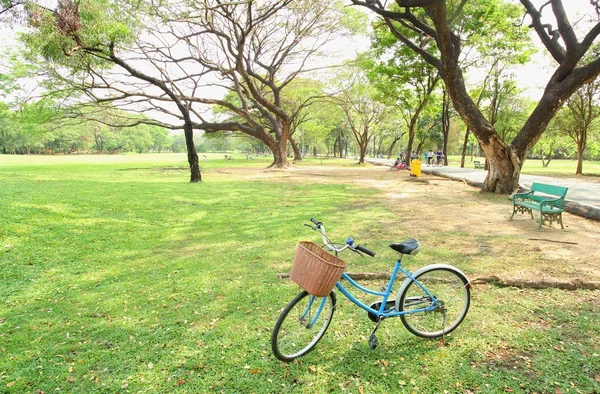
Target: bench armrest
[
  {"x": 553, "y": 203},
  {"x": 521, "y": 196}
]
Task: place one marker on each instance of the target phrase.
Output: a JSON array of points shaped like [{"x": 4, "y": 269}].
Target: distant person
[
  {"x": 414, "y": 156},
  {"x": 439, "y": 155},
  {"x": 430, "y": 156}
]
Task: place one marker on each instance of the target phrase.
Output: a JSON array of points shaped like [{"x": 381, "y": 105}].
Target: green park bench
[
  {"x": 478, "y": 165},
  {"x": 547, "y": 199}
]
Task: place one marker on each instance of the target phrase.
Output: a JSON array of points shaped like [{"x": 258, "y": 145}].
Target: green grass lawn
[{"x": 117, "y": 275}]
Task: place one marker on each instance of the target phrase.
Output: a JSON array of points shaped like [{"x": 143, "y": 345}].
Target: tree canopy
[{"x": 439, "y": 23}]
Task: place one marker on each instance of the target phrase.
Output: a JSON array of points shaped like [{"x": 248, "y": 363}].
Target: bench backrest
[{"x": 552, "y": 190}]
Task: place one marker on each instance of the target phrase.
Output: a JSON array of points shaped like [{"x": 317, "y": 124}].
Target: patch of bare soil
[{"x": 473, "y": 224}]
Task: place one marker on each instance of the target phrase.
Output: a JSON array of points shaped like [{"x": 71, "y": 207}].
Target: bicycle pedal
[{"x": 373, "y": 341}]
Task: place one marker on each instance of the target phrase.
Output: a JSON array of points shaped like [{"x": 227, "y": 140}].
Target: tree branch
[
  {"x": 564, "y": 26},
  {"x": 551, "y": 44}
]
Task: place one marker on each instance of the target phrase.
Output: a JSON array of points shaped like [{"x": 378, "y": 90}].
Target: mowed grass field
[{"x": 119, "y": 276}]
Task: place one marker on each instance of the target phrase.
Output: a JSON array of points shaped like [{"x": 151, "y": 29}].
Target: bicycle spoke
[
  {"x": 450, "y": 295},
  {"x": 301, "y": 325}
]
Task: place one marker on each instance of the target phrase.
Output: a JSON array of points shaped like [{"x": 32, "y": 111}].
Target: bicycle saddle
[{"x": 410, "y": 246}]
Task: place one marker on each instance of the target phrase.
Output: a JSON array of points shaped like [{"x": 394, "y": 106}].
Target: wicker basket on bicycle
[{"x": 315, "y": 270}]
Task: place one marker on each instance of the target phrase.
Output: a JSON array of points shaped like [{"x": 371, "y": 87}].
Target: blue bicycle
[{"x": 431, "y": 302}]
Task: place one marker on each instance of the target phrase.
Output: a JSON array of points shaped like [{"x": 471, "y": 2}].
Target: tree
[
  {"x": 438, "y": 22},
  {"x": 169, "y": 58},
  {"x": 402, "y": 78},
  {"x": 324, "y": 129},
  {"x": 553, "y": 141},
  {"x": 363, "y": 111},
  {"x": 8, "y": 7},
  {"x": 583, "y": 110}
]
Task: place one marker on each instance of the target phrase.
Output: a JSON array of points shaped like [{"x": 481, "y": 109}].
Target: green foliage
[
  {"x": 40, "y": 127},
  {"x": 59, "y": 35},
  {"x": 494, "y": 29},
  {"x": 352, "y": 18},
  {"x": 513, "y": 111}
]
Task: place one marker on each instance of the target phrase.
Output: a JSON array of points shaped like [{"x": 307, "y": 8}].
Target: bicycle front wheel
[
  {"x": 301, "y": 325},
  {"x": 452, "y": 292}
]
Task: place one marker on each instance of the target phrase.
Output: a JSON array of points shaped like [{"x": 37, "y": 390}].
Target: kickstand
[
  {"x": 443, "y": 327},
  {"x": 373, "y": 341}
]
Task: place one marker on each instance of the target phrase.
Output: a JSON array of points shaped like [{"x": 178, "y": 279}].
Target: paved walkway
[{"x": 585, "y": 193}]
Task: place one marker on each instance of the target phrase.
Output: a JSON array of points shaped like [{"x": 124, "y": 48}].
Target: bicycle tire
[
  {"x": 447, "y": 285},
  {"x": 294, "y": 335}
]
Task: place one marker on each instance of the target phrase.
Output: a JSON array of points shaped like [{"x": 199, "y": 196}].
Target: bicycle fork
[{"x": 306, "y": 319}]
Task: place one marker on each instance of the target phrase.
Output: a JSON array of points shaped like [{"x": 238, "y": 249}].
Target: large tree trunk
[
  {"x": 445, "y": 125},
  {"x": 504, "y": 167},
  {"x": 363, "y": 145},
  {"x": 192, "y": 155},
  {"x": 411, "y": 139},
  {"x": 279, "y": 155},
  {"x": 580, "y": 149},
  {"x": 391, "y": 149},
  {"x": 296, "y": 150}
]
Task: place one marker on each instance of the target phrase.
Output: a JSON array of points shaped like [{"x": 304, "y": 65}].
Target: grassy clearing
[{"x": 119, "y": 276}]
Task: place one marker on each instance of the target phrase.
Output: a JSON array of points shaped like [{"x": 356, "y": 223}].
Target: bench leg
[
  {"x": 560, "y": 221},
  {"x": 551, "y": 218},
  {"x": 521, "y": 210}
]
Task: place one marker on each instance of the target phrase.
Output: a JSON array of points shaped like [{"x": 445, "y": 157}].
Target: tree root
[{"x": 574, "y": 284}]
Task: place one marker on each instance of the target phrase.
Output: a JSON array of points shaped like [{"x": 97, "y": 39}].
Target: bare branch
[{"x": 548, "y": 36}]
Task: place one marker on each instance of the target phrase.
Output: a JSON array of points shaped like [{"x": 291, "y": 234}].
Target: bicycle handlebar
[
  {"x": 318, "y": 226},
  {"x": 365, "y": 250}
]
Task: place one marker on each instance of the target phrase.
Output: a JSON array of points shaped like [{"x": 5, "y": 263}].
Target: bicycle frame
[{"x": 381, "y": 313}]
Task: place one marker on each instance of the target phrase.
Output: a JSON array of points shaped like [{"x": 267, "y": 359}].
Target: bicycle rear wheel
[
  {"x": 301, "y": 325},
  {"x": 452, "y": 292}
]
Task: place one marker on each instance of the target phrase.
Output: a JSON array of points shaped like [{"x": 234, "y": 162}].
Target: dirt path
[{"x": 453, "y": 214}]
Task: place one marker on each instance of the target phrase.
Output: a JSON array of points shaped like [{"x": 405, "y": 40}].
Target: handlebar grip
[
  {"x": 315, "y": 221},
  {"x": 364, "y": 250}
]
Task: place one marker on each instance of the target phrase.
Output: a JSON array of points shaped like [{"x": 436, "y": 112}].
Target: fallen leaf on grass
[
  {"x": 384, "y": 362},
  {"x": 10, "y": 384},
  {"x": 180, "y": 382},
  {"x": 313, "y": 368},
  {"x": 254, "y": 371}
]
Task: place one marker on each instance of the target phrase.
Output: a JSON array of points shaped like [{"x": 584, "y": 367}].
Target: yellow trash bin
[{"x": 415, "y": 168}]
